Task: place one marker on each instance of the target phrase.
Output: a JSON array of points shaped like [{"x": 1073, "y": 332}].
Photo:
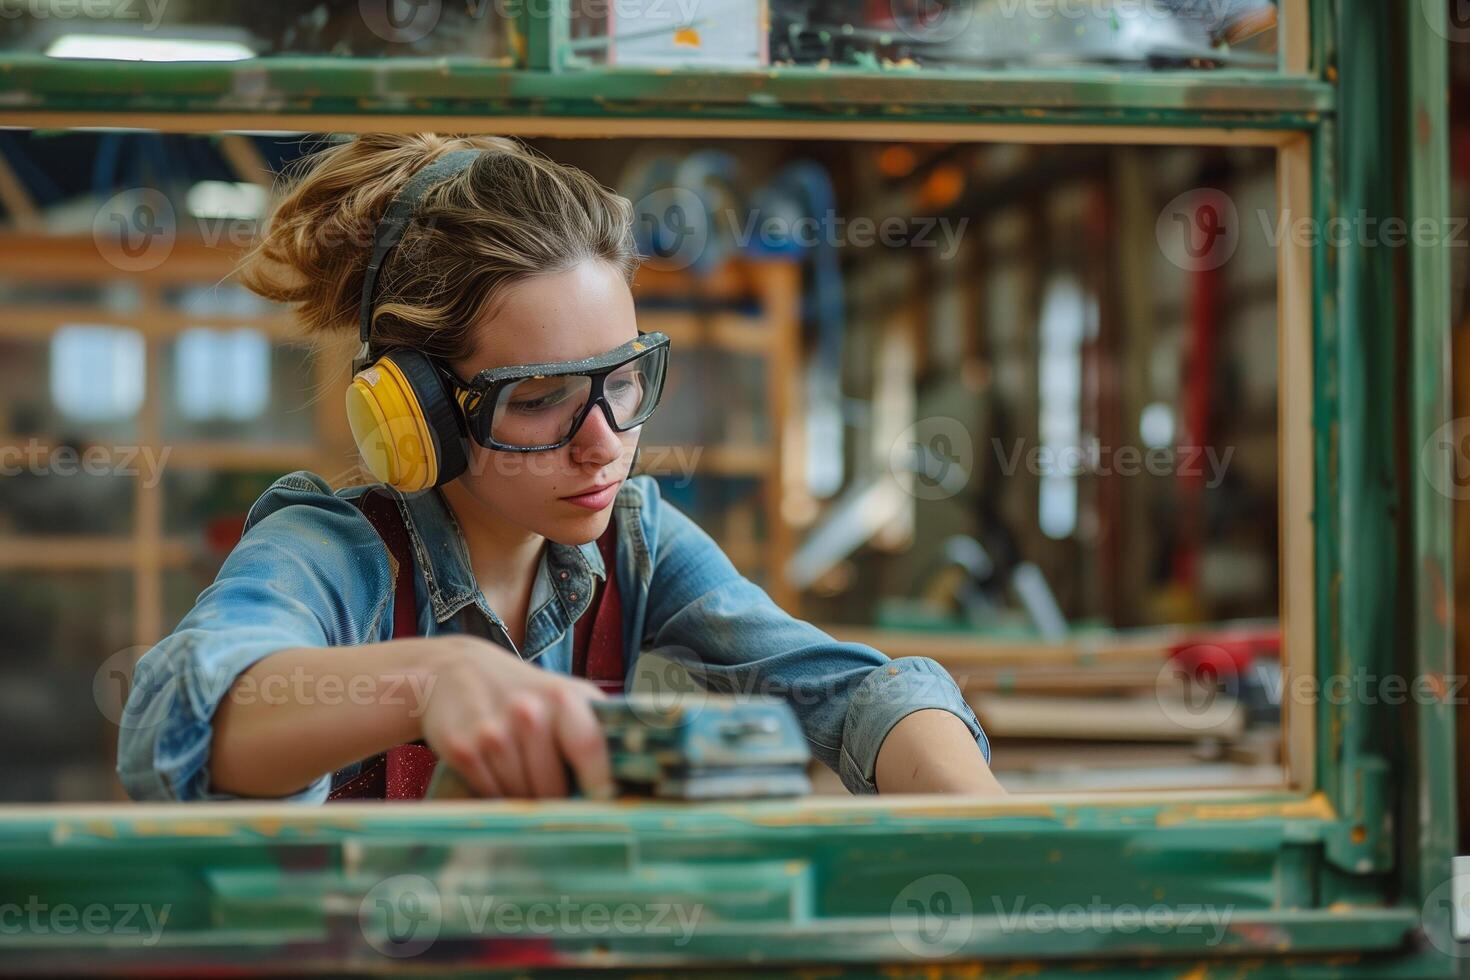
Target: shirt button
[
  {"x": 572, "y": 596},
  {"x": 563, "y": 575}
]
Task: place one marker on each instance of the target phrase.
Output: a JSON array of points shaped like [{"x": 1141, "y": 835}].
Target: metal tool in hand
[{"x": 722, "y": 748}]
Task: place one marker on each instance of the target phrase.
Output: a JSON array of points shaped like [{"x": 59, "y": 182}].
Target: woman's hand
[{"x": 509, "y": 728}]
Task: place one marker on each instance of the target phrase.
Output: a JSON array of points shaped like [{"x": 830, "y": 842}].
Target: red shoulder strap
[
  {"x": 404, "y": 771},
  {"x": 597, "y": 639}
]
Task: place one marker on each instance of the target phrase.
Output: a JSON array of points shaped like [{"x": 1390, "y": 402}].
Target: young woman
[{"x": 498, "y": 299}]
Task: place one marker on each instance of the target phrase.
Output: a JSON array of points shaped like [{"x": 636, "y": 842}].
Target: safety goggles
[{"x": 535, "y": 407}]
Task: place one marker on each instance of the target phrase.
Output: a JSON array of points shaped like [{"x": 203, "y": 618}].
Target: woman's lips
[{"x": 597, "y": 499}]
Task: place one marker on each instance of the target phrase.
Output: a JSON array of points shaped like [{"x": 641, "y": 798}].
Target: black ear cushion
[{"x": 442, "y": 415}]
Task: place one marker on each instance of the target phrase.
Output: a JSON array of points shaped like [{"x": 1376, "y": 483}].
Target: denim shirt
[{"x": 311, "y": 571}]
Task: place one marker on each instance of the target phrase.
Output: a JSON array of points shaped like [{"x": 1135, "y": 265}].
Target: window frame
[{"x": 1340, "y": 862}]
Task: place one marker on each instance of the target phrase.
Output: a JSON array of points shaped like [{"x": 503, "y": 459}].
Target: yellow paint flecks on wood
[{"x": 1314, "y": 807}]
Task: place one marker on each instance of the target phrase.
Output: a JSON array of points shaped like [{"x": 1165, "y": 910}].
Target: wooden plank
[
  {"x": 968, "y": 650},
  {"x": 39, "y": 322},
  {"x": 148, "y": 502},
  {"x": 71, "y": 553},
  {"x": 1110, "y": 719},
  {"x": 1296, "y": 495},
  {"x": 1185, "y": 132},
  {"x": 75, "y": 258}
]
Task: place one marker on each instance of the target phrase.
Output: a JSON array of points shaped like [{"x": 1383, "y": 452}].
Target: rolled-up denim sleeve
[
  {"x": 309, "y": 571},
  {"x": 735, "y": 639}
]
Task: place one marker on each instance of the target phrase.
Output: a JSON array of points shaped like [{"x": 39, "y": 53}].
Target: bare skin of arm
[
  {"x": 932, "y": 751},
  {"x": 505, "y": 725}
]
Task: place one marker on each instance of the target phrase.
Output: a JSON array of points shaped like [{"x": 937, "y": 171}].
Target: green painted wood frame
[{"x": 1342, "y": 873}]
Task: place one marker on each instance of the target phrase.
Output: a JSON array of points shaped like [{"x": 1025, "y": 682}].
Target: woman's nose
[{"x": 597, "y": 441}]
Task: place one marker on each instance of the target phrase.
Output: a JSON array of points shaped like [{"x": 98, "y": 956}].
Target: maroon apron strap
[
  {"x": 403, "y": 772},
  {"x": 597, "y": 639}
]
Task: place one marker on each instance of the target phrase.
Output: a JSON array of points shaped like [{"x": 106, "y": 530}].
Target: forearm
[
  {"x": 932, "y": 751},
  {"x": 299, "y": 713}
]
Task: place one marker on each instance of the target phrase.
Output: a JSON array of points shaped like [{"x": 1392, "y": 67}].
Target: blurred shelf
[
  {"x": 38, "y": 322},
  {"x": 201, "y": 454},
  {"x": 726, "y": 331},
  {"x": 59, "y": 553},
  {"x": 968, "y": 651},
  {"x": 76, "y": 258}
]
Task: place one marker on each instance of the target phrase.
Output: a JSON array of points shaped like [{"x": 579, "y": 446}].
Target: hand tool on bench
[{"x": 716, "y": 748}]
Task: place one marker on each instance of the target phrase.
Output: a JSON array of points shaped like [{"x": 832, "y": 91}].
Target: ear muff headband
[{"x": 405, "y": 425}]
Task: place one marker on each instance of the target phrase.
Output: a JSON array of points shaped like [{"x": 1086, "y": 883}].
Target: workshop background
[{"x": 1011, "y": 406}]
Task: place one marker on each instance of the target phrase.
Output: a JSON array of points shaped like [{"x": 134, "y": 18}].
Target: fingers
[
  {"x": 464, "y": 756},
  {"x": 530, "y": 719},
  {"x": 580, "y": 741},
  {"x": 502, "y": 755}
]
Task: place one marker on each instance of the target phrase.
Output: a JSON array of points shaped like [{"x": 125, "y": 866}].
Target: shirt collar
[{"x": 440, "y": 549}]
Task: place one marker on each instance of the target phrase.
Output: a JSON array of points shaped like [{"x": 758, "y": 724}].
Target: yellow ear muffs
[{"x": 407, "y": 429}]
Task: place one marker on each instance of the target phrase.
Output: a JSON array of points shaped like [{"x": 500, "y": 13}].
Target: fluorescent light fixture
[
  {"x": 223, "y": 199},
  {"x": 121, "y": 47}
]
